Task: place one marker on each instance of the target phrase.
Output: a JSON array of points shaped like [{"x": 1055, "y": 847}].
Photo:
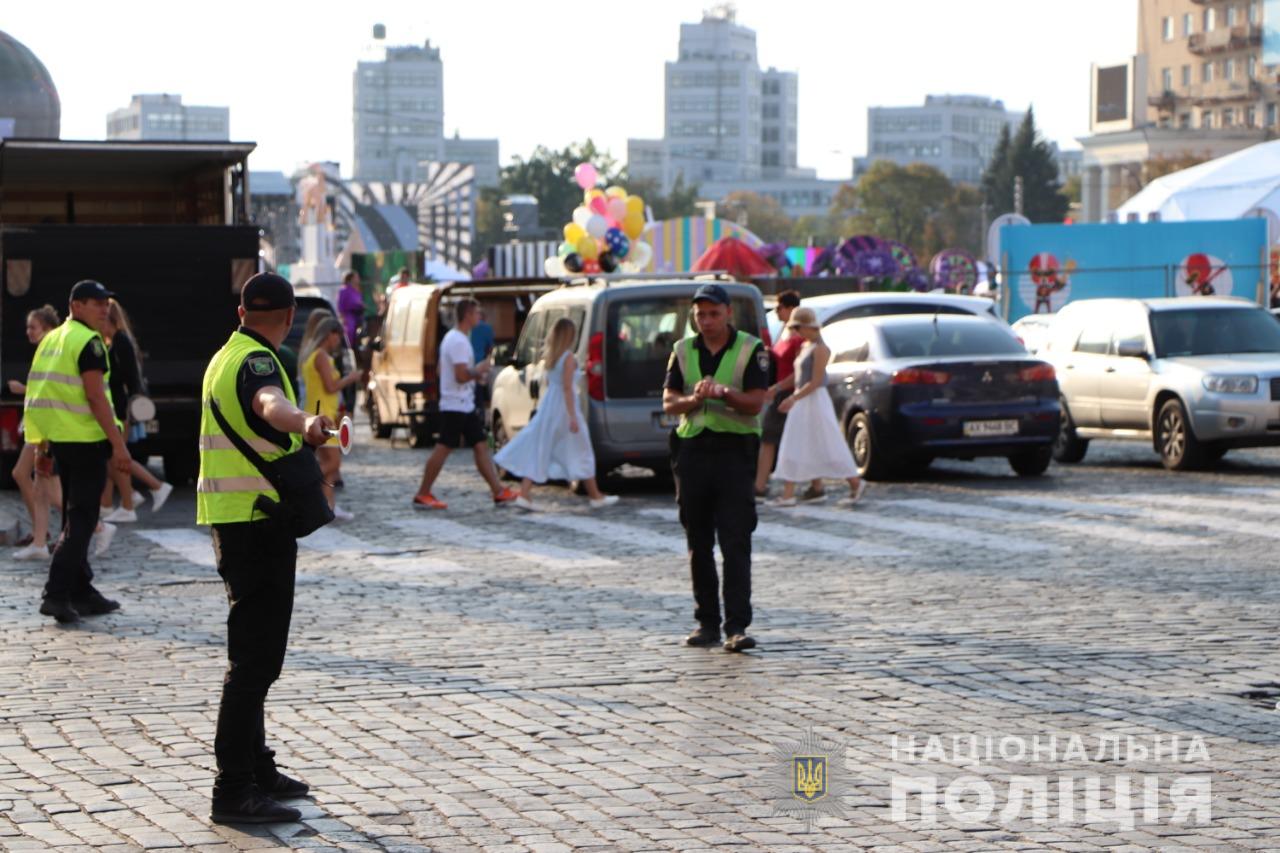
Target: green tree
[
  {"x": 489, "y": 221},
  {"x": 679, "y": 202},
  {"x": 1029, "y": 157},
  {"x": 957, "y": 225},
  {"x": 760, "y": 214},
  {"x": 895, "y": 201},
  {"x": 547, "y": 175}
]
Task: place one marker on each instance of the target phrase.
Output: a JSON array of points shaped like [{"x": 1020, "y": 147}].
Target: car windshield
[
  {"x": 1214, "y": 331},
  {"x": 940, "y": 336}
]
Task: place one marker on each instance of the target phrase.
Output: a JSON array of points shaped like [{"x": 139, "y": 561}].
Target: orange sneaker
[
  {"x": 507, "y": 495},
  {"x": 428, "y": 501}
]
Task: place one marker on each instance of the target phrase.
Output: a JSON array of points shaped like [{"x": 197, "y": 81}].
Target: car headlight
[{"x": 1231, "y": 384}]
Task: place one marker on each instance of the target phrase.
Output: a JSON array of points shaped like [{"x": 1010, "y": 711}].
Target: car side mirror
[{"x": 1134, "y": 348}]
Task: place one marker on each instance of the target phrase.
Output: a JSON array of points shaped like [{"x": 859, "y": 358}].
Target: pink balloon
[
  {"x": 599, "y": 206},
  {"x": 586, "y": 175},
  {"x": 617, "y": 209}
]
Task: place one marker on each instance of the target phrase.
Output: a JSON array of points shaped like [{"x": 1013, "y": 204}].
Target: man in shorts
[{"x": 461, "y": 422}]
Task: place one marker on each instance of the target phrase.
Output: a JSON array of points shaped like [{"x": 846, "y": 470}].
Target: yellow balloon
[
  {"x": 587, "y": 248},
  {"x": 635, "y": 204},
  {"x": 633, "y": 225},
  {"x": 594, "y": 192},
  {"x": 573, "y": 233},
  {"x": 616, "y": 192}
]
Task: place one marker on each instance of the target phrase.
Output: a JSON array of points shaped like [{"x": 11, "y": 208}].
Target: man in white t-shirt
[{"x": 461, "y": 423}]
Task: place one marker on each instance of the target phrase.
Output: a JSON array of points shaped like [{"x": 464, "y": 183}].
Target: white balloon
[
  {"x": 581, "y": 216},
  {"x": 554, "y": 266},
  {"x": 641, "y": 254},
  {"x": 596, "y": 226}
]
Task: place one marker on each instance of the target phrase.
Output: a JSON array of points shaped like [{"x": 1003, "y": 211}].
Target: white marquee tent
[{"x": 1245, "y": 183}]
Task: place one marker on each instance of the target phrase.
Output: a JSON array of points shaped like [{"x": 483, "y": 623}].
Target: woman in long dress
[
  {"x": 812, "y": 445},
  {"x": 555, "y": 445}
]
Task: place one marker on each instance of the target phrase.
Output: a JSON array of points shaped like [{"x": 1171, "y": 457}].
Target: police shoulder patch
[
  {"x": 762, "y": 358},
  {"x": 96, "y": 344},
  {"x": 261, "y": 365}
]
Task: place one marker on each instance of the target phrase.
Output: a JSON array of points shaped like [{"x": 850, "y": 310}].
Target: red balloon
[
  {"x": 598, "y": 205},
  {"x": 591, "y": 266}
]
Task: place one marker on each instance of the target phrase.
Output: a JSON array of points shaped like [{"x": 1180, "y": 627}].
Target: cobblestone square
[{"x": 479, "y": 679}]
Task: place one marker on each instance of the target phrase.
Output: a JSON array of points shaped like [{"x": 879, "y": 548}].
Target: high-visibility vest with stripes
[
  {"x": 716, "y": 415},
  {"x": 229, "y": 484},
  {"x": 56, "y": 407}
]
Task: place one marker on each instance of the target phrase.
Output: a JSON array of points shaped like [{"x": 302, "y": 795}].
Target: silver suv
[{"x": 1195, "y": 376}]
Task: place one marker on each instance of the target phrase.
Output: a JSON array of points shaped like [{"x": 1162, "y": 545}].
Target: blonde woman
[
  {"x": 555, "y": 444},
  {"x": 322, "y": 384},
  {"x": 43, "y": 490},
  {"x": 126, "y": 381},
  {"x": 812, "y": 446}
]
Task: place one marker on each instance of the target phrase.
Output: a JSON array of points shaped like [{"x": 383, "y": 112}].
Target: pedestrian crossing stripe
[
  {"x": 887, "y": 523},
  {"x": 463, "y": 537},
  {"x": 805, "y": 540}
]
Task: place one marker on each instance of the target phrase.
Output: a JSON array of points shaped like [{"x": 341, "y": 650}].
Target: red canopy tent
[{"x": 734, "y": 257}]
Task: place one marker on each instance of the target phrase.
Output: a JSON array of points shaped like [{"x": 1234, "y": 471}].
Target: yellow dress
[{"x": 316, "y": 394}]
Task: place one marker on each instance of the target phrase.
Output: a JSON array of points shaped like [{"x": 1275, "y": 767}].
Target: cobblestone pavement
[{"x": 481, "y": 679}]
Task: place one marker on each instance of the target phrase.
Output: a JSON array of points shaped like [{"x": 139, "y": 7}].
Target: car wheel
[
  {"x": 381, "y": 429},
  {"x": 1031, "y": 463},
  {"x": 1179, "y": 449},
  {"x": 867, "y": 455},
  {"x": 1067, "y": 446}
]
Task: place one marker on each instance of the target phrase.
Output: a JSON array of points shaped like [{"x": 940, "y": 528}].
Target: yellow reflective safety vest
[
  {"x": 715, "y": 415},
  {"x": 229, "y": 483},
  {"x": 56, "y": 407}
]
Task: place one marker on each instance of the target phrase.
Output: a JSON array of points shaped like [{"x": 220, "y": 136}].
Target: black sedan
[{"x": 912, "y": 388}]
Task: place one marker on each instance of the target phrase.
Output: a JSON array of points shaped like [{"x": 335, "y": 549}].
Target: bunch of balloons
[{"x": 604, "y": 235}]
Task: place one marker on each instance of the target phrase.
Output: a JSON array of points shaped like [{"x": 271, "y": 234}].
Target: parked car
[
  {"x": 1033, "y": 331},
  {"x": 834, "y": 307},
  {"x": 911, "y": 388},
  {"x": 626, "y": 332},
  {"x": 403, "y": 389},
  {"x": 1195, "y": 376}
]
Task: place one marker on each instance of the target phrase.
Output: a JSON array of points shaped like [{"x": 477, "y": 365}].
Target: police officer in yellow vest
[
  {"x": 716, "y": 383},
  {"x": 68, "y": 404},
  {"x": 256, "y": 556}
]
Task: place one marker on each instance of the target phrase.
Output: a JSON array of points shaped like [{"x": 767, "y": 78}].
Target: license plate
[
  {"x": 152, "y": 427},
  {"x": 666, "y": 421},
  {"x": 982, "y": 429}
]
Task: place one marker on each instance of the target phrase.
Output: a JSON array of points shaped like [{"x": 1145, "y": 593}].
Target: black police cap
[
  {"x": 712, "y": 293},
  {"x": 266, "y": 291},
  {"x": 89, "y": 289}
]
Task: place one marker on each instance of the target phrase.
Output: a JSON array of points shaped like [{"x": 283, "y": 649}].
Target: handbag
[{"x": 296, "y": 478}]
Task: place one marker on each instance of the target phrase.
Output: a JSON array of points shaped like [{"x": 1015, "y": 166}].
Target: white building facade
[
  {"x": 398, "y": 120},
  {"x": 165, "y": 117}
]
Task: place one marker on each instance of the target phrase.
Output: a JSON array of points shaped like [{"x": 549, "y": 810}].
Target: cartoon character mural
[
  {"x": 1050, "y": 280},
  {"x": 1201, "y": 274}
]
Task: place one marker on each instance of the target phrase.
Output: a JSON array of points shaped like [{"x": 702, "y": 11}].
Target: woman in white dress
[
  {"x": 812, "y": 445},
  {"x": 555, "y": 445}
]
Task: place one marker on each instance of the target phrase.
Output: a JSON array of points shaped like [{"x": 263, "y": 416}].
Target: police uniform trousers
[
  {"x": 82, "y": 470},
  {"x": 257, "y": 561},
  {"x": 715, "y": 489}
]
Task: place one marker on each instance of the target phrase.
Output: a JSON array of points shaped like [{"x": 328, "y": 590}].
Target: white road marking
[
  {"x": 671, "y": 542},
  {"x": 1081, "y": 528},
  {"x": 459, "y": 535},
  {"x": 191, "y": 544},
  {"x": 863, "y": 516},
  {"x": 1254, "y": 505},
  {"x": 805, "y": 540},
  {"x": 1094, "y": 507},
  {"x": 328, "y": 539}
]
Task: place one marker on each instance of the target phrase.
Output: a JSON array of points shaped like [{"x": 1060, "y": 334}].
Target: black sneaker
[
  {"x": 95, "y": 604},
  {"x": 60, "y": 610},
  {"x": 284, "y": 788},
  {"x": 254, "y": 807},
  {"x": 739, "y": 643},
  {"x": 703, "y": 636}
]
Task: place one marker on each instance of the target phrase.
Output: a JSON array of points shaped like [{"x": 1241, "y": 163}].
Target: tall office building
[
  {"x": 954, "y": 133},
  {"x": 728, "y": 124},
  {"x": 399, "y": 119},
  {"x": 165, "y": 117},
  {"x": 1202, "y": 83}
]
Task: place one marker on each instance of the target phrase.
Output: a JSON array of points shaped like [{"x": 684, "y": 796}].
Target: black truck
[{"x": 165, "y": 226}]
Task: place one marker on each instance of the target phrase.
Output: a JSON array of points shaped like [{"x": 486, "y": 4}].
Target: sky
[{"x": 532, "y": 72}]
